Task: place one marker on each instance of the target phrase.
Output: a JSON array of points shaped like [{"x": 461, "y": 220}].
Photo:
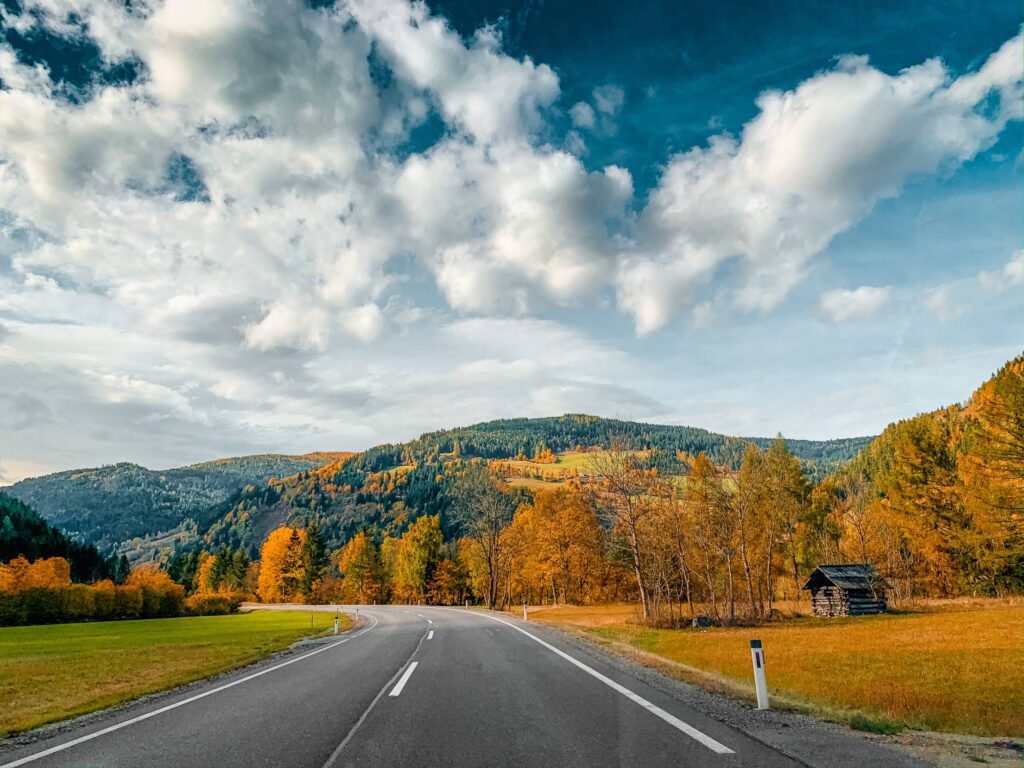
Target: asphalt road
[{"x": 417, "y": 686}]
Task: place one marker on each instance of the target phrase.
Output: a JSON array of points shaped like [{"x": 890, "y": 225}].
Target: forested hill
[
  {"x": 149, "y": 513},
  {"x": 25, "y": 533},
  {"x": 111, "y": 504},
  {"x": 505, "y": 438},
  {"x": 386, "y": 487}
]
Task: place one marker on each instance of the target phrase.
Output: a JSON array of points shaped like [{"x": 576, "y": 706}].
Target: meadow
[
  {"x": 954, "y": 667},
  {"x": 53, "y": 672}
]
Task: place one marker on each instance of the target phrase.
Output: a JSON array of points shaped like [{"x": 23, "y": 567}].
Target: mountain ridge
[{"x": 113, "y": 505}]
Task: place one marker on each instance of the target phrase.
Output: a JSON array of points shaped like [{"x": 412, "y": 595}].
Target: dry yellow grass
[{"x": 947, "y": 667}]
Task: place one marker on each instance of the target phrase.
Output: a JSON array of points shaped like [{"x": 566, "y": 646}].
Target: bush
[
  {"x": 211, "y": 605},
  {"x": 79, "y": 602},
  {"x": 42, "y": 593},
  {"x": 84, "y": 602}
]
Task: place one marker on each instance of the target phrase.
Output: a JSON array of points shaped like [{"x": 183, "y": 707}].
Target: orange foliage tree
[{"x": 281, "y": 566}]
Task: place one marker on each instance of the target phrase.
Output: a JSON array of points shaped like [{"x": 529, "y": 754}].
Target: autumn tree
[
  {"x": 360, "y": 566},
  {"x": 160, "y": 595},
  {"x": 480, "y": 512},
  {"x": 281, "y": 565},
  {"x": 415, "y": 557},
  {"x": 706, "y": 506},
  {"x": 623, "y": 497},
  {"x": 787, "y": 494},
  {"x": 448, "y": 583}
]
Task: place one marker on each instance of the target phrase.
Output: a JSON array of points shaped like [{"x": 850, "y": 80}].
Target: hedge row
[{"x": 84, "y": 602}]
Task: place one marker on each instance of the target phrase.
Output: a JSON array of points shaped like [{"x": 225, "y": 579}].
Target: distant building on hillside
[{"x": 853, "y": 589}]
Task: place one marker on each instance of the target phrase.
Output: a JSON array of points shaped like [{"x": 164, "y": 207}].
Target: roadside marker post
[
  {"x": 524, "y": 613},
  {"x": 335, "y": 625},
  {"x": 757, "y": 657},
  {"x": 467, "y": 605}
]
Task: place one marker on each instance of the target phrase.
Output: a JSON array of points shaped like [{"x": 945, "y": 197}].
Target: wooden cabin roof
[{"x": 846, "y": 576}]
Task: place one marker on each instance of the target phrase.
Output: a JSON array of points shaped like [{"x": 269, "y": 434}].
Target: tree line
[
  {"x": 936, "y": 503},
  {"x": 42, "y": 592}
]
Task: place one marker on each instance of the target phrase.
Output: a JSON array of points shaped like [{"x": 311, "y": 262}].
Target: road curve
[{"x": 419, "y": 686}]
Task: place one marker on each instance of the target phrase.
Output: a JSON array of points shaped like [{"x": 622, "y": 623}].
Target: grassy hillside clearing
[
  {"x": 958, "y": 668},
  {"x": 53, "y": 672}
]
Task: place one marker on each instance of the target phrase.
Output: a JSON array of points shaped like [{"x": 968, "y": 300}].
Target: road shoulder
[{"x": 812, "y": 742}]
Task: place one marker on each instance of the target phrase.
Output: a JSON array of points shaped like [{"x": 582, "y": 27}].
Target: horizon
[
  {"x": 291, "y": 224},
  {"x": 401, "y": 441}
]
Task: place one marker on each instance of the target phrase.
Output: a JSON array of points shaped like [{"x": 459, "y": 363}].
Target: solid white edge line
[
  {"x": 430, "y": 635},
  {"x": 654, "y": 709},
  {"x": 175, "y": 705},
  {"x": 400, "y": 686}
]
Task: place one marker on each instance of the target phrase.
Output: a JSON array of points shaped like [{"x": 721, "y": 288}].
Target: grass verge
[
  {"x": 56, "y": 671},
  {"x": 959, "y": 670}
]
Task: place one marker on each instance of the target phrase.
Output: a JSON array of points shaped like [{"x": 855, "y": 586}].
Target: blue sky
[{"x": 246, "y": 226}]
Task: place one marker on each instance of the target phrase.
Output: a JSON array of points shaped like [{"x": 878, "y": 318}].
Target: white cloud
[
  {"x": 842, "y": 305},
  {"x": 1011, "y": 275},
  {"x": 942, "y": 301},
  {"x": 365, "y": 323},
  {"x": 609, "y": 99},
  {"x": 510, "y": 228},
  {"x": 812, "y": 163},
  {"x": 481, "y": 90},
  {"x": 215, "y": 250},
  {"x": 582, "y": 115}
]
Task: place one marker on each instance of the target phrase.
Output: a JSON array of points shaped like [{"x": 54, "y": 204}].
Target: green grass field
[
  {"x": 56, "y": 671},
  {"x": 956, "y": 668}
]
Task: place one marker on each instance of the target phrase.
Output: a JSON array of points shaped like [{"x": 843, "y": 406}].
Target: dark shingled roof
[{"x": 847, "y": 576}]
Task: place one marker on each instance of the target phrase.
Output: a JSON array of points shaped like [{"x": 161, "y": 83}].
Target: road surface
[{"x": 416, "y": 686}]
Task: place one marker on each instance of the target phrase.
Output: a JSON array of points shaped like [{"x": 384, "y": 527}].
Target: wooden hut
[{"x": 853, "y": 589}]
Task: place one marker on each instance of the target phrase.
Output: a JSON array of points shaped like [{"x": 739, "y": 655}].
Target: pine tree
[{"x": 314, "y": 558}]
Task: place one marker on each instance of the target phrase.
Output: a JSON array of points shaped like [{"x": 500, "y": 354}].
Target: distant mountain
[
  {"x": 151, "y": 514},
  {"x": 503, "y": 438},
  {"x": 108, "y": 505},
  {"x": 24, "y": 532}
]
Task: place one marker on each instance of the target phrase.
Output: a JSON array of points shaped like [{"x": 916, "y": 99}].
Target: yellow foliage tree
[{"x": 281, "y": 566}]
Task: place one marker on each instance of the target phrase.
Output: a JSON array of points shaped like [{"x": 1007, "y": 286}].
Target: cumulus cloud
[
  {"x": 812, "y": 163},
  {"x": 1011, "y": 275},
  {"x": 195, "y": 250},
  {"x": 481, "y": 90},
  {"x": 843, "y": 305}
]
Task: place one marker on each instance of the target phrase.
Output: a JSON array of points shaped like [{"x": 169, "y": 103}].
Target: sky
[{"x": 285, "y": 226}]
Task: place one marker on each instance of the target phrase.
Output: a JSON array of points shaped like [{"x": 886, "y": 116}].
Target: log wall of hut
[{"x": 836, "y": 601}]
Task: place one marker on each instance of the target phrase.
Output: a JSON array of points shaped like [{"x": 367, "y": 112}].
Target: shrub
[
  {"x": 213, "y": 604},
  {"x": 42, "y": 593}
]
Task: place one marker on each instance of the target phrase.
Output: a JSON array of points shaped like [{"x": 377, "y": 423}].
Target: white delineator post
[
  {"x": 757, "y": 656},
  {"x": 335, "y": 625},
  {"x": 524, "y": 612}
]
